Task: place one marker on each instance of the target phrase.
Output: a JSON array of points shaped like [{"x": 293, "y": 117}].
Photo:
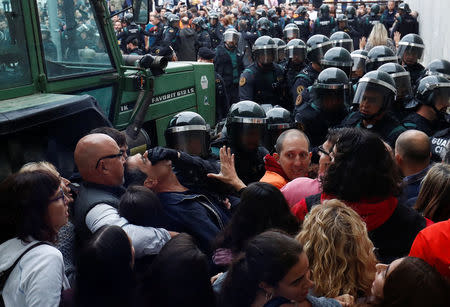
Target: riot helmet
[
  {"x": 374, "y": 94},
  {"x": 374, "y": 10},
  {"x": 166, "y": 15},
  {"x": 245, "y": 10},
  {"x": 213, "y": 19},
  {"x": 272, "y": 15},
  {"x": 263, "y": 25},
  {"x": 281, "y": 46},
  {"x": 439, "y": 67},
  {"x": 324, "y": 11},
  {"x": 317, "y": 45},
  {"x": 338, "y": 57},
  {"x": 331, "y": 89},
  {"x": 341, "y": 18},
  {"x": 291, "y": 31},
  {"x": 404, "y": 7},
  {"x": 278, "y": 120},
  {"x": 261, "y": 13},
  {"x": 401, "y": 78},
  {"x": 350, "y": 11},
  {"x": 246, "y": 125},
  {"x": 434, "y": 91},
  {"x": 378, "y": 56},
  {"x": 410, "y": 49},
  {"x": 342, "y": 39},
  {"x": 187, "y": 131},
  {"x": 128, "y": 18},
  {"x": 231, "y": 37},
  {"x": 301, "y": 11},
  {"x": 199, "y": 23},
  {"x": 265, "y": 51},
  {"x": 296, "y": 51},
  {"x": 359, "y": 58},
  {"x": 173, "y": 20}
]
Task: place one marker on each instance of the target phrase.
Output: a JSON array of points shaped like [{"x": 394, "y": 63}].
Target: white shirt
[
  {"x": 37, "y": 279},
  {"x": 146, "y": 240}
]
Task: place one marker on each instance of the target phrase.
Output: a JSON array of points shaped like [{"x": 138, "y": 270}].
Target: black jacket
[{"x": 224, "y": 66}]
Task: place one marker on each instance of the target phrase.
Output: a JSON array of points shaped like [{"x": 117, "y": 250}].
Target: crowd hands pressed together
[{"x": 333, "y": 190}]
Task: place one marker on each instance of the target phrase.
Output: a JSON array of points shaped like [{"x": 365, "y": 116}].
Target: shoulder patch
[
  {"x": 298, "y": 101},
  {"x": 171, "y": 30},
  {"x": 217, "y": 80},
  {"x": 280, "y": 78},
  {"x": 300, "y": 89},
  {"x": 242, "y": 81}
]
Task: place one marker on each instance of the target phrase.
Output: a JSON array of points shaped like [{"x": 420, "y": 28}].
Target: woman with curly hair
[
  {"x": 364, "y": 176},
  {"x": 339, "y": 250}
]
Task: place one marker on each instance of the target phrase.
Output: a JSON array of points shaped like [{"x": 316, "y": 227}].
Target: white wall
[{"x": 434, "y": 27}]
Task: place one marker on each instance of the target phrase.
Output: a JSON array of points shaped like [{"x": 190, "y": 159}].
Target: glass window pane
[
  {"x": 71, "y": 39},
  {"x": 14, "y": 59}
]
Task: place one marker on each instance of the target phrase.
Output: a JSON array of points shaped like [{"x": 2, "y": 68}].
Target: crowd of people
[{"x": 326, "y": 181}]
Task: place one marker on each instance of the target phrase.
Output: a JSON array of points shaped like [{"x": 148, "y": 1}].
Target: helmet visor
[
  {"x": 374, "y": 96},
  {"x": 281, "y": 54},
  {"x": 410, "y": 50},
  {"x": 402, "y": 84},
  {"x": 193, "y": 142},
  {"x": 359, "y": 65},
  {"x": 231, "y": 37},
  {"x": 266, "y": 56},
  {"x": 442, "y": 96},
  {"x": 291, "y": 33},
  {"x": 246, "y": 137},
  {"x": 344, "y": 43},
  {"x": 332, "y": 97},
  {"x": 296, "y": 54}
]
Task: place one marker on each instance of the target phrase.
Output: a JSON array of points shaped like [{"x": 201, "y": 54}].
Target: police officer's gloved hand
[{"x": 158, "y": 153}]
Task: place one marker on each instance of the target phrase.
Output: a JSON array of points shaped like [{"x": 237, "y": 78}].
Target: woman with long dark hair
[
  {"x": 105, "y": 270},
  {"x": 32, "y": 210},
  {"x": 364, "y": 176}
]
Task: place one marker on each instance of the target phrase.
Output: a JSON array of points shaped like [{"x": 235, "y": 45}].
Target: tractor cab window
[
  {"x": 14, "y": 59},
  {"x": 71, "y": 41}
]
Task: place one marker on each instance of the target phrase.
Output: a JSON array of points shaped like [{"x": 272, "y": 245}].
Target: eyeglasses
[
  {"x": 60, "y": 196},
  {"x": 322, "y": 150},
  {"x": 120, "y": 154}
]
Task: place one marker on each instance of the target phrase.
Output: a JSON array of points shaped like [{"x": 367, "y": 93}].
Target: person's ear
[
  {"x": 150, "y": 183},
  {"x": 398, "y": 159},
  {"x": 269, "y": 290}
]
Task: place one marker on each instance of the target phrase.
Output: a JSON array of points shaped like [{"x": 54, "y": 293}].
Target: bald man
[
  {"x": 413, "y": 154},
  {"x": 100, "y": 162},
  {"x": 291, "y": 159}
]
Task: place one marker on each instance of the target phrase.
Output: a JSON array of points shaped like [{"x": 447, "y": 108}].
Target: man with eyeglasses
[{"x": 101, "y": 165}]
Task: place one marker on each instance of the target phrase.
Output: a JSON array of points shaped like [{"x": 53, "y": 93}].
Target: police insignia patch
[
  {"x": 171, "y": 30},
  {"x": 242, "y": 81},
  {"x": 279, "y": 78},
  {"x": 300, "y": 89},
  {"x": 298, "y": 101}
]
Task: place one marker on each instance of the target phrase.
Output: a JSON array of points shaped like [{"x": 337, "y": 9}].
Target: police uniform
[
  {"x": 388, "y": 128},
  {"x": 418, "y": 122},
  {"x": 406, "y": 24},
  {"x": 229, "y": 64},
  {"x": 263, "y": 86},
  {"x": 368, "y": 22},
  {"x": 303, "y": 81},
  {"x": 171, "y": 37},
  {"x": 316, "y": 121},
  {"x": 323, "y": 25},
  {"x": 416, "y": 72},
  {"x": 291, "y": 71},
  {"x": 204, "y": 39},
  {"x": 130, "y": 32},
  {"x": 216, "y": 33},
  {"x": 439, "y": 144},
  {"x": 303, "y": 26}
]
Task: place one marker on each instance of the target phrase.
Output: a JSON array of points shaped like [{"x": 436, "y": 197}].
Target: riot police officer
[
  {"x": 276, "y": 30},
  {"x": 438, "y": 67},
  {"x": 317, "y": 45},
  {"x": 340, "y": 58},
  {"x": 410, "y": 51},
  {"x": 343, "y": 39},
  {"x": 324, "y": 23},
  {"x": 374, "y": 95},
  {"x": 404, "y": 102},
  {"x": 203, "y": 37},
  {"x": 405, "y": 23},
  {"x": 228, "y": 63},
  {"x": 172, "y": 31},
  {"x": 372, "y": 19},
  {"x": 296, "y": 55},
  {"x": 359, "y": 58},
  {"x": 327, "y": 108},
  {"x": 216, "y": 30},
  {"x": 378, "y": 56},
  {"x": 302, "y": 21},
  {"x": 278, "y": 120},
  {"x": 188, "y": 132},
  {"x": 433, "y": 95},
  {"x": 290, "y": 31},
  {"x": 280, "y": 59},
  {"x": 263, "y": 81},
  {"x": 354, "y": 22},
  {"x": 245, "y": 126},
  {"x": 132, "y": 30},
  {"x": 263, "y": 26}
]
